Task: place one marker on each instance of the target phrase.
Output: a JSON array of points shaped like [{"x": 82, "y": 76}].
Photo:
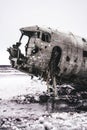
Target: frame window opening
[
  {"x": 35, "y": 34},
  {"x": 24, "y": 41},
  {"x": 46, "y": 37}
]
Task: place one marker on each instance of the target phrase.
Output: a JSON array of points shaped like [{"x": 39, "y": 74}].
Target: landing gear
[
  {"x": 53, "y": 68},
  {"x": 12, "y": 63}
]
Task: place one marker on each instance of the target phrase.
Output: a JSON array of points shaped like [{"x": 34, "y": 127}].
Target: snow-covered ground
[
  {"x": 13, "y": 82},
  {"x": 14, "y": 116}
]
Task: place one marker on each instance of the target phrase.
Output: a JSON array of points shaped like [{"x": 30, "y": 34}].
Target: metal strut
[{"x": 53, "y": 68}]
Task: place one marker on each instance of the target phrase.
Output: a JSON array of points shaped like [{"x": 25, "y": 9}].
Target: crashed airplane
[{"x": 51, "y": 54}]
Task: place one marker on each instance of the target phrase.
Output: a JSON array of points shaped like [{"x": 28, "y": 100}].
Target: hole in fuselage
[
  {"x": 75, "y": 60},
  {"x": 45, "y": 47},
  {"x": 68, "y": 58},
  {"x": 65, "y": 69}
]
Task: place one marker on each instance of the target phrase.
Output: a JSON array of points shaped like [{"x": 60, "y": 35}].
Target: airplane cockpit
[{"x": 31, "y": 41}]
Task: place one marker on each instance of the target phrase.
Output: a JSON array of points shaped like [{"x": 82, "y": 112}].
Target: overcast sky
[{"x": 70, "y": 15}]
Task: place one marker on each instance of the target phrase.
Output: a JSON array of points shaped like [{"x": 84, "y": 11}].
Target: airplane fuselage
[{"x": 64, "y": 54}]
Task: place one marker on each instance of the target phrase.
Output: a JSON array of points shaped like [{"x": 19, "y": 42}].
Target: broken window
[
  {"x": 24, "y": 42},
  {"x": 68, "y": 58},
  {"x": 35, "y": 34},
  {"x": 84, "y": 53},
  {"x": 46, "y": 37}
]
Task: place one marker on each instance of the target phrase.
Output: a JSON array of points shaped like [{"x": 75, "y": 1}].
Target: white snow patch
[{"x": 13, "y": 84}]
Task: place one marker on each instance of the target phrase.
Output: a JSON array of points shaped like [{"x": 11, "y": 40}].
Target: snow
[
  {"x": 32, "y": 116},
  {"x": 17, "y": 83}
]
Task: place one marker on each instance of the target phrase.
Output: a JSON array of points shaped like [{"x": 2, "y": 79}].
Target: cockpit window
[
  {"x": 37, "y": 34},
  {"x": 46, "y": 37},
  {"x": 24, "y": 40},
  {"x": 32, "y": 34}
]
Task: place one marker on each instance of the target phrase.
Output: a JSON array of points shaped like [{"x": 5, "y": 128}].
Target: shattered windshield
[
  {"x": 27, "y": 41},
  {"x": 24, "y": 41}
]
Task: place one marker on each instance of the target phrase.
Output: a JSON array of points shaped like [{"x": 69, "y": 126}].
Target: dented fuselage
[{"x": 69, "y": 52}]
